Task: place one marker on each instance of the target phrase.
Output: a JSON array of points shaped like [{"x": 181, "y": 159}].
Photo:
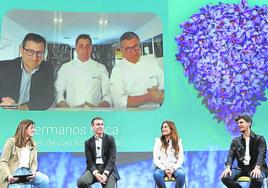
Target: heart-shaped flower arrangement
[{"x": 224, "y": 53}]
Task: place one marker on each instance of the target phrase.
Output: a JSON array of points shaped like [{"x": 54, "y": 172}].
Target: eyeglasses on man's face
[
  {"x": 132, "y": 48},
  {"x": 31, "y": 52}
]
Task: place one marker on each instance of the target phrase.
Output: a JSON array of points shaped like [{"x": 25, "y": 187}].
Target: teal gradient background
[{"x": 134, "y": 130}]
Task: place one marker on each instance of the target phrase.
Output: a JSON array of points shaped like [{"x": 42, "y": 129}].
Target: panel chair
[
  {"x": 246, "y": 179},
  {"x": 172, "y": 179}
]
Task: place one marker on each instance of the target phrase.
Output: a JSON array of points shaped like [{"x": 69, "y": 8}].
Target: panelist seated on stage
[
  {"x": 83, "y": 82},
  {"x": 27, "y": 81},
  {"x": 249, "y": 150},
  {"x": 168, "y": 156},
  {"x": 136, "y": 82},
  {"x": 100, "y": 151},
  {"x": 18, "y": 162}
]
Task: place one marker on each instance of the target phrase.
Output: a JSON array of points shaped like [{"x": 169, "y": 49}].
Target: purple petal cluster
[{"x": 224, "y": 52}]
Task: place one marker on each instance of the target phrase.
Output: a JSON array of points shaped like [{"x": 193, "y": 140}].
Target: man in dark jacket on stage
[
  {"x": 100, "y": 151},
  {"x": 249, "y": 150}
]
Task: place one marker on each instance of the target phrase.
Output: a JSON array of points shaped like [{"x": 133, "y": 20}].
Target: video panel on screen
[{"x": 80, "y": 61}]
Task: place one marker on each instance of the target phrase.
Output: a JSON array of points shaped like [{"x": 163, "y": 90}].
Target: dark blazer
[
  {"x": 108, "y": 155},
  {"x": 42, "y": 83},
  {"x": 257, "y": 151}
]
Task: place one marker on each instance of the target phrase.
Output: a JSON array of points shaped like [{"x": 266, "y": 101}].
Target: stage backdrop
[{"x": 135, "y": 130}]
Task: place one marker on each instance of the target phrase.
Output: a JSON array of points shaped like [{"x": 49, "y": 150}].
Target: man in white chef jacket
[{"x": 83, "y": 82}]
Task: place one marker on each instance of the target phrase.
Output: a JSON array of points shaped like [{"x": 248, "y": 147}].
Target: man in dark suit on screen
[
  {"x": 249, "y": 150},
  {"x": 100, "y": 151},
  {"x": 27, "y": 81}
]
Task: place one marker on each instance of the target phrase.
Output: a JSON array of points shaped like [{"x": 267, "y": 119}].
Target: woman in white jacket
[{"x": 168, "y": 156}]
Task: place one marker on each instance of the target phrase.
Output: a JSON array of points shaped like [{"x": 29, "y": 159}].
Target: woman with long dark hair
[
  {"x": 19, "y": 157},
  {"x": 168, "y": 156}
]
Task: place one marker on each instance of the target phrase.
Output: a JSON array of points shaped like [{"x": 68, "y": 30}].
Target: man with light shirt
[
  {"x": 27, "y": 81},
  {"x": 249, "y": 150},
  {"x": 83, "y": 82},
  {"x": 136, "y": 82},
  {"x": 100, "y": 151}
]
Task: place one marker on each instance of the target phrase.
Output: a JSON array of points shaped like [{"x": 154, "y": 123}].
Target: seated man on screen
[
  {"x": 27, "y": 81},
  {"x": 134, "y": 81},
  {"x": 84, "y": 81},
  {"x": 100, "y": 152},
  {"x": 249, "y": 150}
]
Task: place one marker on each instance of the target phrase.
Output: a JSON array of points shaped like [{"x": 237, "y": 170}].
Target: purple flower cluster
[{"x": 224, "y": 53}]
